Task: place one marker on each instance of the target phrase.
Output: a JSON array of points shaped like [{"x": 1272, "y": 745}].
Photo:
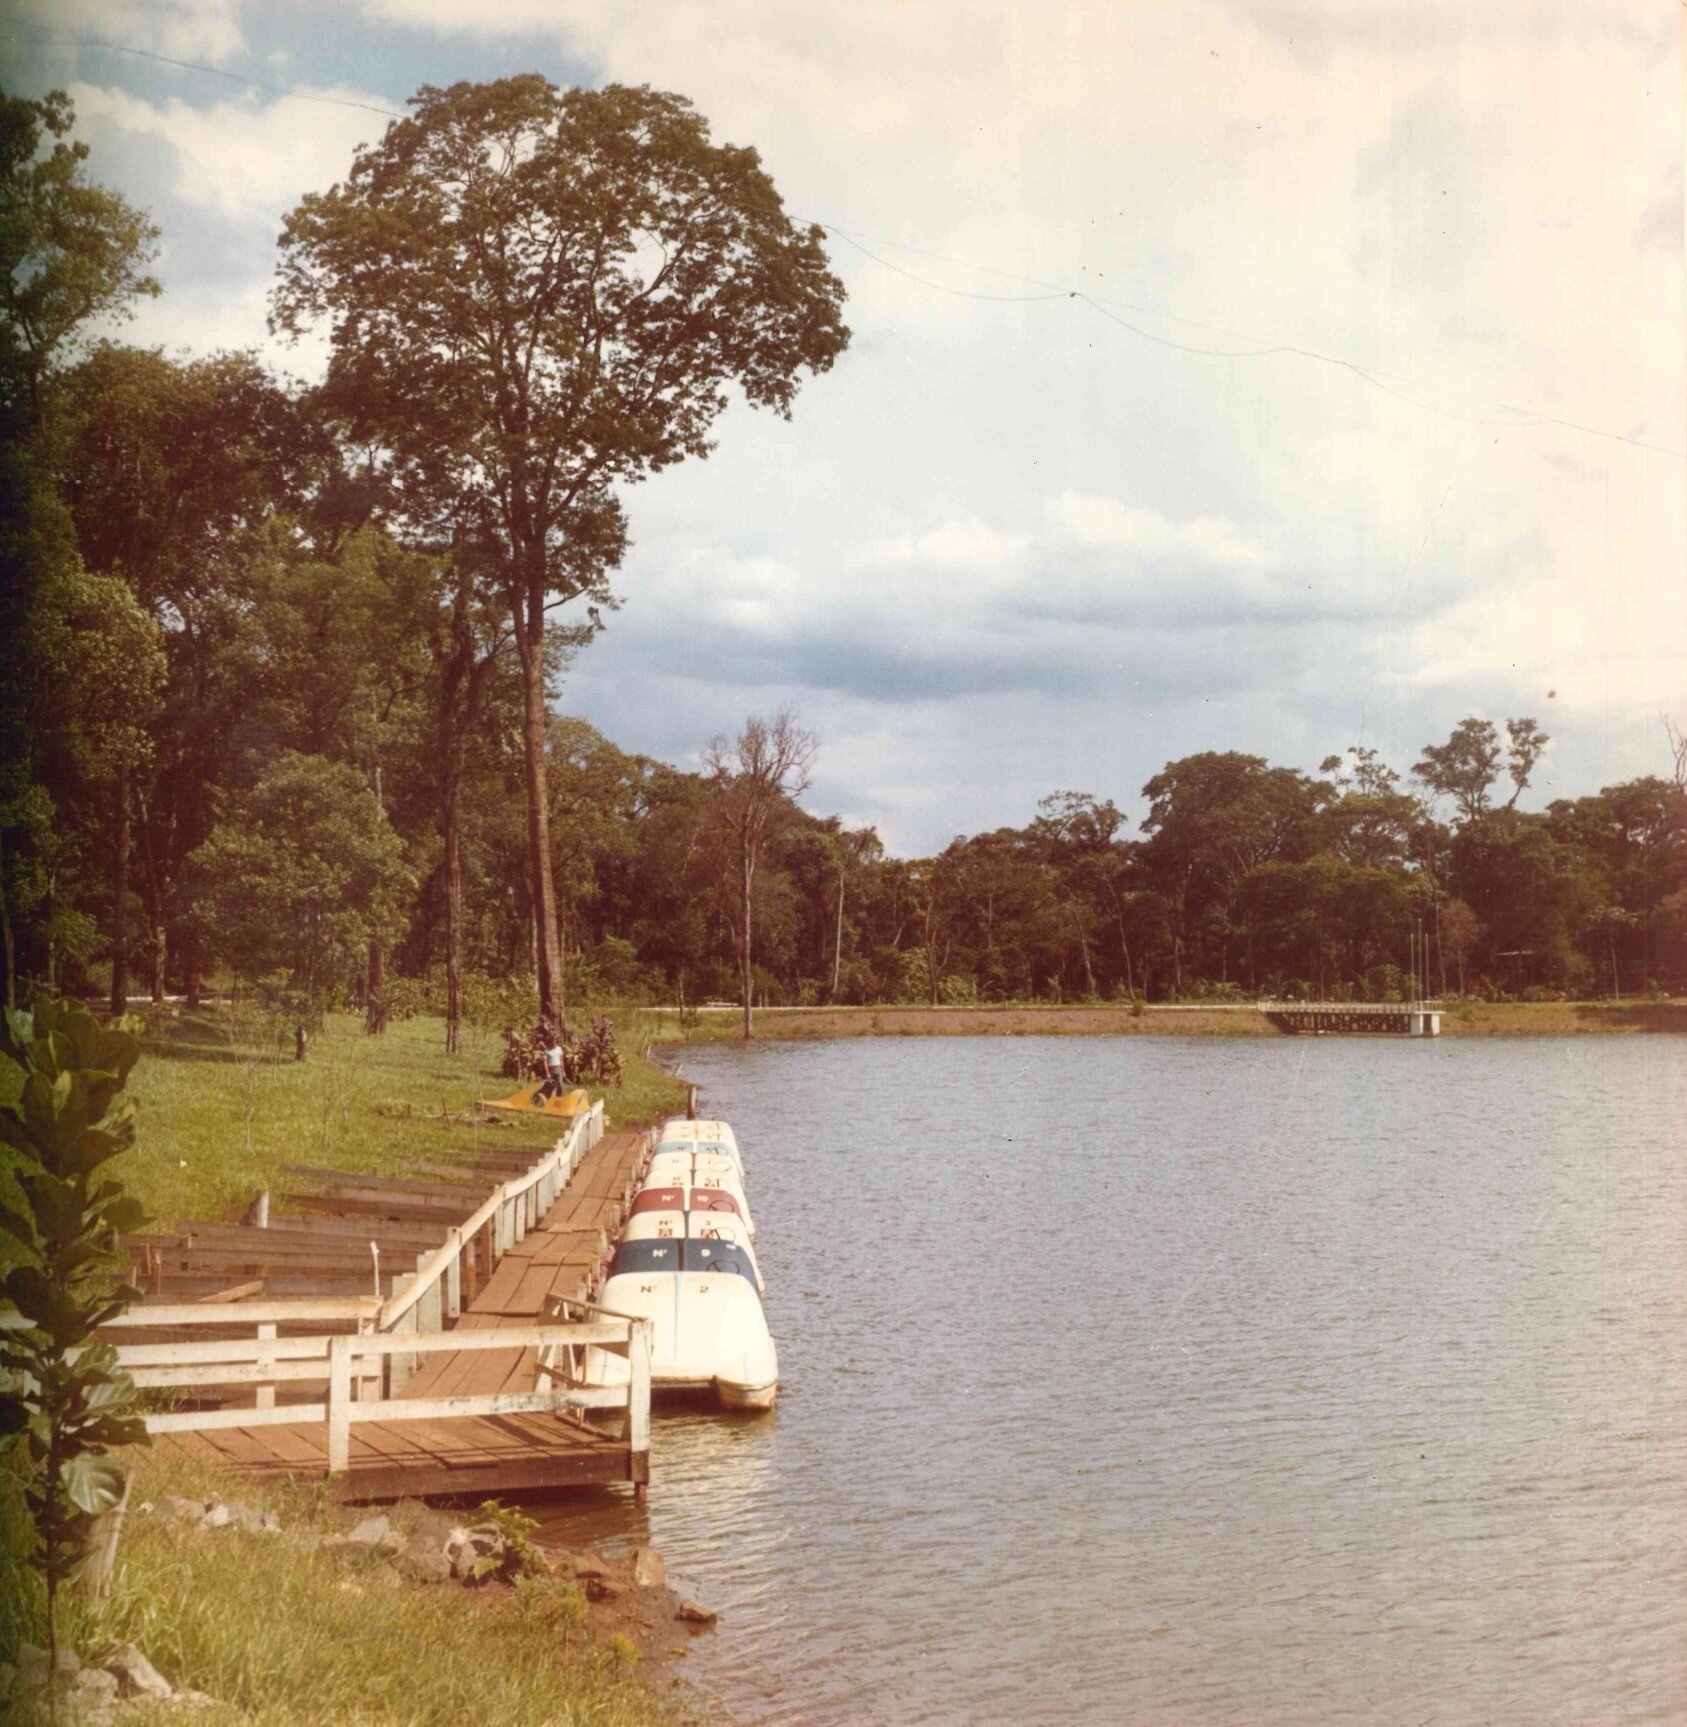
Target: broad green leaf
[{"x": 92, "y": 1483}]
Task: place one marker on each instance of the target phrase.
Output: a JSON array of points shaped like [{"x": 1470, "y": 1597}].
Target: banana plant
[{"x": 64, "y": 1401}]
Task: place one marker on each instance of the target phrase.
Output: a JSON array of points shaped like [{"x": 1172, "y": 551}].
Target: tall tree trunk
[
  {"x": 1084, "y": 951},
  {"x": 1125, "y": 953},
  {"x": 530, "y": 646},
  {"x": 929, "y": 942},
  {"x": 453, "y": 917},
  {"x": 375, "y": 1009},
  {"x": 746, "y": 871},
  {"x": 8, "y": 945},
  {"x": 153, "y": 894},
  {"x": 837, "y": 940},
  {"x": 120, "y": 898}
]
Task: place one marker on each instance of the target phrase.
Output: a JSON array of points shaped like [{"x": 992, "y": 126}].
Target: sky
[{"x": 1371, "y": 414}]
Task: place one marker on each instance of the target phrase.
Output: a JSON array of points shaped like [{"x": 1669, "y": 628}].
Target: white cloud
[
  {"x": 239, "y": 158},
  {"x": 187, "y": 29}
]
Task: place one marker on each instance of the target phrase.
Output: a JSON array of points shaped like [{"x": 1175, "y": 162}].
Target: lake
[{"x": 1142, "y": 1381}]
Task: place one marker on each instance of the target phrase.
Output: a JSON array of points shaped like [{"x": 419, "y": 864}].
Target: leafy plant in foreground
[{"x": 64, "y": 1401}]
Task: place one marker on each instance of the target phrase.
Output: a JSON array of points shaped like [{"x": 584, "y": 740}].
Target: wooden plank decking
[
  {"x": 487, "y": 1454},
  {"x": 558, "y": 1259}
]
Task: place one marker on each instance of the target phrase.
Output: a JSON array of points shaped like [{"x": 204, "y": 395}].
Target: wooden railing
[
  {"x": 564, "y": 1359},
  {"x": 351, "y": 1363},
  {"x": 426, "y": 1299},
  {"x": 370, "y": 1354}
]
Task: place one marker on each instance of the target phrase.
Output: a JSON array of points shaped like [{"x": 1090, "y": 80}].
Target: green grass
[
  {"x": 224, "y": 1107},
  {"x": 283, "y": 1634}
]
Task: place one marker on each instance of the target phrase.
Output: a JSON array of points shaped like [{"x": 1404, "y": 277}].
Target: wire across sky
[{"x": 1045, "y": 292}]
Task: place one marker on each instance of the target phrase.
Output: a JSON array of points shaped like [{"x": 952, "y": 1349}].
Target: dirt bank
[{"x": 1464, "y": 1019}]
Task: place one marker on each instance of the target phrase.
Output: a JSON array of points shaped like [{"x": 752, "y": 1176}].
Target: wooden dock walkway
[
  {"x": 431, "y": 1346},
  {"x": 557, "y": 1262}
]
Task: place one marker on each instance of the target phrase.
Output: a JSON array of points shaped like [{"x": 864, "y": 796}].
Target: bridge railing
[{"x": 350, "y": 1364}]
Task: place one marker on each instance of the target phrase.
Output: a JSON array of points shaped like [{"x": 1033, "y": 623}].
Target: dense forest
[{"x": 268, "y": 718}]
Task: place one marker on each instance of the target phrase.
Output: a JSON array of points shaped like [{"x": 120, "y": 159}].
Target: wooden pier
[
  {"x": 1350, "y": 1018},
  {"x": 462, "y": 1376}
]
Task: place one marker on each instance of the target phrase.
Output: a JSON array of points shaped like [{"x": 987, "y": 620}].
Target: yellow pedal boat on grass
[{"x": 527, "y": 1101}]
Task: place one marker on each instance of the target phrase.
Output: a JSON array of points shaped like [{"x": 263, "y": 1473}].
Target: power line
[
  {"x": 195, "y": 66},
  {"x": 1523, "y": 417},
  {"x": 959, "y": 293},
  {"x": 1526, "y": 416}
]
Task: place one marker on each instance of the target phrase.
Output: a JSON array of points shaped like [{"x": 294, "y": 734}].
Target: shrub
[{"x": 64, "y": 1401}]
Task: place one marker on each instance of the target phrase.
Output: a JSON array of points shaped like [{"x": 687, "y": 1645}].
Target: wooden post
[
  {"x": 454, "y": 1279},
  {"x": 266, "y": 1358},
  {"x": 339, "y": 1405},
  {"x": 638, "y": 1389},
  {"x": 102, "y": 1560},
  {"x": 690, "y": 1101},
  {"x": 260, "y": 1210},
  {"x": 430, "y": 1309},
  {"x": 398, "y": 1367}
]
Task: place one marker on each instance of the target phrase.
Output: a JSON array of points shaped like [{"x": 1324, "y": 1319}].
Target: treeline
[{"x": 271, "y": 712}]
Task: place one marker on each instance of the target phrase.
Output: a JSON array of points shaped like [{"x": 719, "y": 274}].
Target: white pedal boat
[
  {"x": 707, "y": 1324},
  {"x": 665, "y": 1214},
  {"x": 679, "y": 1134},
  {"x": 700, "y": 1170}
]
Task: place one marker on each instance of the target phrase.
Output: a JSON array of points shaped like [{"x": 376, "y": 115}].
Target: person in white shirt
[{"x": 554, "y": 1080}]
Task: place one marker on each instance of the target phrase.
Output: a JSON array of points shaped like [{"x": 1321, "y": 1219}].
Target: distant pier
[{"x": 1354, "y": 1018}]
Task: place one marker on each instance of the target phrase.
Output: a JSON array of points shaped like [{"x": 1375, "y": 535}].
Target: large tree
[
  {"x": 1468, "y": 763},
  {"x": 171, "y": 469},
  {"x": 70, "y": 251},
  {"x": 755, "y": 779},
  {"x": 534, "y": 295},
  {"x": 298, "y": 878}
]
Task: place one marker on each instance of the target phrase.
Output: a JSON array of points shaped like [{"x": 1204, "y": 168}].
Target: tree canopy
[
  {"x": 534, "y": 295},
  {"x": 70, "y": 250}
]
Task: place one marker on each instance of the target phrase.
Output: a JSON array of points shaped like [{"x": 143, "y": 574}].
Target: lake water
[{"x": 1149, "y": 1381}]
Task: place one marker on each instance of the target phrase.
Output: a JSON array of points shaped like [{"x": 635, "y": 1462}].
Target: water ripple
[{"x": 1157, "y": 1381}]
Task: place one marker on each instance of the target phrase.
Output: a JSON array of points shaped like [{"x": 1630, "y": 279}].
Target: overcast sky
[{"x": 1011, "y": 545}]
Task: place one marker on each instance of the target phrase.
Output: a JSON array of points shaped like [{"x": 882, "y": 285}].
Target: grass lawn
[
  {"x": 283, "y": 1634},
  {"x": 224, "y": 1107}
]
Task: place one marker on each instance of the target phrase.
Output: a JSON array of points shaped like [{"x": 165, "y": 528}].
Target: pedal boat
[
  {"x": 670, "y": 1218},
  {"x": 707, "y": 1324},
  {"x": 678, "y": 1134},
  {"x": 696, "y": 1170}
]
